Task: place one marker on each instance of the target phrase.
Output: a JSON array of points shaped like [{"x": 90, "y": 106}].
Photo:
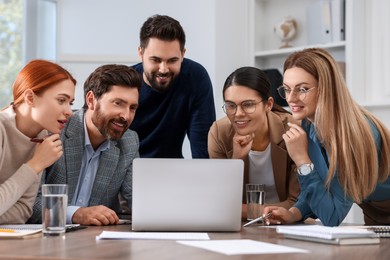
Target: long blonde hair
[{"x": 343, "y": 127}]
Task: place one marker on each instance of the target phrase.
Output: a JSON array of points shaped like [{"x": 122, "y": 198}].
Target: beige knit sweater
[{"x": 18, "y": 182}]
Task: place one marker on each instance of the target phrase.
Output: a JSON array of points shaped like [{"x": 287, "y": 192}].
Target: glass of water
[
  {"x": 54, "y": 204},
  {"x": 255, "y": 197}
]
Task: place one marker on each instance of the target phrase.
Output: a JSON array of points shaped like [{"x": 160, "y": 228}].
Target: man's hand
[{"x": 95, "y": 215}]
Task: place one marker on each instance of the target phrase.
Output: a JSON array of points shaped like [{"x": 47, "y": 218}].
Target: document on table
[
  {"x": 18, "y": 233},
  {"x": 381, "y": 231},
  {"x": 22, "y": 226},
  {"x": 153, "y": 235},
  {"x": 242, "y": 247},
  {"x": 69, "y": 227}
]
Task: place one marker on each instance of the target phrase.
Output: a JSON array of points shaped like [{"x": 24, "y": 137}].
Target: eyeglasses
[
  {"x": 249, "y": 107},
  {"x": 285, "y": 92}
]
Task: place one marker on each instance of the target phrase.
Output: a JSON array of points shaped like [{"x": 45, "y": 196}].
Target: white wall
[
  {"x": 368, "y": 54},
  {"x": 231, "y": 43}
]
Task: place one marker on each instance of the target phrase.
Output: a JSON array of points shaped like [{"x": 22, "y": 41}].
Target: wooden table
[{"x": 82, "y": 244}]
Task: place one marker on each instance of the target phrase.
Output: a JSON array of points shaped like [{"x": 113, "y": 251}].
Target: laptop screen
[{"x": 187, "y": 194}]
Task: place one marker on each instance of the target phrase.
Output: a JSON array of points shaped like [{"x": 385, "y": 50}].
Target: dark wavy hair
[
  {"x": 161, "y": 27},
  {"x": 104, "y": 77}
]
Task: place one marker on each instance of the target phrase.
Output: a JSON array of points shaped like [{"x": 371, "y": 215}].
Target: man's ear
[
  {"x": 140, "y": 53},
  {"x": 183, "y": 53},
  {"x": 29, "y": 97},
  {"x": 90, "y": 100}
]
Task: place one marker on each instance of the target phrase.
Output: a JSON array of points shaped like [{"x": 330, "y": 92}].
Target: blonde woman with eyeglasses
[
  {"x": 252, "y": 131},
  {"x": 341, "y": 150}
]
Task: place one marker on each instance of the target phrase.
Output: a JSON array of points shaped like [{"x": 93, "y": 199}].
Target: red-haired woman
[{"x": 43, "y": 93}]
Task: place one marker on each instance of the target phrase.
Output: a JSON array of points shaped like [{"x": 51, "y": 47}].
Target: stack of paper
[
  {"x": 37, "y": 227},
  {"x": 330, "y": 235},
  {"x": 381, "y": 231}
]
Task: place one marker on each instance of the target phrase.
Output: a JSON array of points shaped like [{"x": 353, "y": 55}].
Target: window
[
  {"x": 11, "y": 52},
  {"x": 27, "y": 31}
]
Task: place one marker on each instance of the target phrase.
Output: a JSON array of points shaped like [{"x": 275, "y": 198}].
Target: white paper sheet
[
  {"x": 153, "y": 235},
  {"x": 242, "y": 247}
]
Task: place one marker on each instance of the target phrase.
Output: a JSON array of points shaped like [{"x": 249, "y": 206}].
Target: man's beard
[
  {"x": 103, "y": 123},
  {"x": 152, "y": 78}
]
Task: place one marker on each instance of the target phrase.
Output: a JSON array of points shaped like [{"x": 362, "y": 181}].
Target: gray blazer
[{"x": 113, "y": 176}]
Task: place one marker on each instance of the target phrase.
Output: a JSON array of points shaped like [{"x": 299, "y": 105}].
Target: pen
[
  {"x": 36, "y": 140},
  {"x": 7, "y": 230},
  {"x": 261, "y": 218}
]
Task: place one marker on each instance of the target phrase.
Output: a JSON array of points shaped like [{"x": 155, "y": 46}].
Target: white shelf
[
  {"x": 369, "y": 105},
  {"x": 286, "y": 51},
  {"x": 264, "y": 14},
  {"x": 97, "y": 58}
]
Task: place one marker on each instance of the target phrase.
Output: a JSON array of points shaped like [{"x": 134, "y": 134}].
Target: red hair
[{"x": 38, "y": 75}]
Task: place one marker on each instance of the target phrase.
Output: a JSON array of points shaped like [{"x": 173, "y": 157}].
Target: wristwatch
[{"x": 305, "y": 169}]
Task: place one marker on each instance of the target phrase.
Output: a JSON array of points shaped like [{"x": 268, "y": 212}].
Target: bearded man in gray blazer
[{"x": 98, "y": 149}]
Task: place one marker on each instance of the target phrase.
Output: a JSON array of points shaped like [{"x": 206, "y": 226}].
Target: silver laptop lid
[{"x": 187, "y": 194}]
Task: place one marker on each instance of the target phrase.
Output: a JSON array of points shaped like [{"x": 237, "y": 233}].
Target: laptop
[{"x": 187, "y": 194}]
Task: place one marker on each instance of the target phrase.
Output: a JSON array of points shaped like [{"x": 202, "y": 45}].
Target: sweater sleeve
[
  {"x": 17, "y": 195},
  {"x": 202, "y": 113}
]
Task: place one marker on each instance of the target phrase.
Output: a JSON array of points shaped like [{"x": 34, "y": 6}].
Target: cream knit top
[{"x": 18, "y": 182}]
